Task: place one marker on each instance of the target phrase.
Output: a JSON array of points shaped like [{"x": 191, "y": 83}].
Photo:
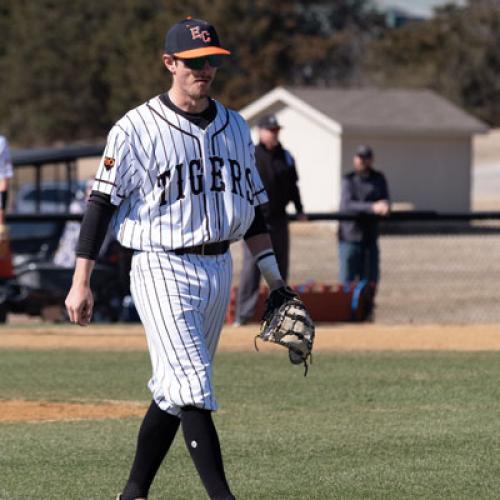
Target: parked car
[
  {"x": 53, "y": 197},
  {"x": 36, "y": 238}
]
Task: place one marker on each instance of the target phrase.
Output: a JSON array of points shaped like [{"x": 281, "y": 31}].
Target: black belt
[{"x": 217, "y": 248}]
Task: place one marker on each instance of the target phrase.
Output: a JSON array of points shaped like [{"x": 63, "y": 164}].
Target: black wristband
[{"x": 4, "y": 195}]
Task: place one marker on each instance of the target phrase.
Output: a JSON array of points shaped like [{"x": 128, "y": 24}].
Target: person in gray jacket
[{"x": 364, "y": 190}]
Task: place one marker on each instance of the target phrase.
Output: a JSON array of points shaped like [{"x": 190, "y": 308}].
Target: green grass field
[{"x": 371, "y": 426}]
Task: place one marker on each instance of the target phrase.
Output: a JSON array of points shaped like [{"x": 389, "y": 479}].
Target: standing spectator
[
  {"x": 363, "y": 191},
  {"x": 277, "y": 170},
  {"x": 5, "y": 173}
]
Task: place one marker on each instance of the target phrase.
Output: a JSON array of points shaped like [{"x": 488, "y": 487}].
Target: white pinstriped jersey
[
  {"x": 5, "y": 160},
  {"x": 176, "y": 184}
]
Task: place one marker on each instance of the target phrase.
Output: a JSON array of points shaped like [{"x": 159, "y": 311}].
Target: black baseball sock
[
  {"x": 203, "y": 445},
  {"x": 156, "y": 434}
]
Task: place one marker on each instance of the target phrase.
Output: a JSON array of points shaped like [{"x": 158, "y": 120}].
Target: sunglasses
[{"x": 197, "y": 63}]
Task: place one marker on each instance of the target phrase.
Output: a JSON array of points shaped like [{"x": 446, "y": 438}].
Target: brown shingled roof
[{"x": 391, "y": 109}]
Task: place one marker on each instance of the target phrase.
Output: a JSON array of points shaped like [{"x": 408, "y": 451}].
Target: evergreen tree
[
  {"x": 455, "y": 53},
  {"x": 68, "y": 70}
]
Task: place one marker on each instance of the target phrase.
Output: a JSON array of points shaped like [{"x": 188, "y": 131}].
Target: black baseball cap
[
  {"x": 192, "y": 38},
  {"x": 268, "y": 121},
  {"x": 364, "y": 151}
]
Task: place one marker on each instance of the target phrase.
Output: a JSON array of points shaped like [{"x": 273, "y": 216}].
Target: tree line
[{"x": 68, "y": 70}]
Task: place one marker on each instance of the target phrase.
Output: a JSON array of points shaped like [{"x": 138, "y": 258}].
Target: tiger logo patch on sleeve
[{"x": 109, "y": 162}]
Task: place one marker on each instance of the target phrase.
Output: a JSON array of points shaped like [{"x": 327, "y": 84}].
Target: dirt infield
[
  {"x": 346, "y": 337},
  {"x": 45, "y": 411}
]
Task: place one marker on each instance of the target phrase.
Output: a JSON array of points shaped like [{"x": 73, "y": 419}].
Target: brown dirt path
[
  {"x": 44, "y": 411},
  {"x": 345, "y": 337}
]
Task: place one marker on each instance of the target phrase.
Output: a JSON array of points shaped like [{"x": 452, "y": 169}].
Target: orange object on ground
[
  {"x": 6, "y": 269},
  {"x": 325, "y": 303}
]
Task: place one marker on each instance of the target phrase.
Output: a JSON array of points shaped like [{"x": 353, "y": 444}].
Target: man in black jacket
[
  {"x": 363, "y": 191},
  {"x": 277, "y": 170}
]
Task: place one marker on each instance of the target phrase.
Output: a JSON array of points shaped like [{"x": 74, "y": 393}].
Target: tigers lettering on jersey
[
  {"x": 194, "y": 175},
  {"x": 176, "y": 184}
]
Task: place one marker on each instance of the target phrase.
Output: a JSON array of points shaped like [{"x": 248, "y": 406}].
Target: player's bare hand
[{"x": 80, "y": 304}]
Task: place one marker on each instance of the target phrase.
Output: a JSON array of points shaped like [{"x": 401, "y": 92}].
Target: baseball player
[
  {"x": 178, "y": 182},
  {"x": 5, "y": 173}
]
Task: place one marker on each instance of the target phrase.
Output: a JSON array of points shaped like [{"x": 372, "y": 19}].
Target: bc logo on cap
[{"x": 196, "y": 33}]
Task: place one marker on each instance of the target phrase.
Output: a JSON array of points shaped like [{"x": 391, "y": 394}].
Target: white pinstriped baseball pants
[{"x": 182, "y": 302}]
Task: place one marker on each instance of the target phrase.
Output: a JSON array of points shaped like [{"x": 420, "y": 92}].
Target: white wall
[
  {"x": 317, "y": 155},
  {"x": 431, "y": 173}
]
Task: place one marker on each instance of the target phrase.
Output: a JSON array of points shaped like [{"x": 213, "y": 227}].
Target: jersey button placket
[{"x": 206, "y": 181}]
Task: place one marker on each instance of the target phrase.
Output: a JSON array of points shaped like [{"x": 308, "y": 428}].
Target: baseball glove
[{"x": 286, "y": 322}]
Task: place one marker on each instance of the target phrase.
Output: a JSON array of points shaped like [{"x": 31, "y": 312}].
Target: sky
[{"x": 418, "y": 7}]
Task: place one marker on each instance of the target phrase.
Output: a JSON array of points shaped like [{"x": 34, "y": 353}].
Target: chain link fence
[
  {"x": 437, "y": 269},
  {"x": 440, "y": 278}
]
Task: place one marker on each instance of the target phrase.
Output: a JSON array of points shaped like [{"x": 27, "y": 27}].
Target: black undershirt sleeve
[
  {"x": 258, "y": 224},
  {"x": 94, "y": 225},
  {"x": 4, "y": 196}
]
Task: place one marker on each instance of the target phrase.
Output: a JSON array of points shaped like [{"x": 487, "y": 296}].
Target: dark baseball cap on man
[
  {"x": 364, "y": 151},
  {"x": 192, "y": 38},
  {"x": 268, "y": 121}
]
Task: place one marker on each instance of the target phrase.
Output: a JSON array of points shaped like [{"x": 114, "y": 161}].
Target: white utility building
[{"x": 421, "y": 141}]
